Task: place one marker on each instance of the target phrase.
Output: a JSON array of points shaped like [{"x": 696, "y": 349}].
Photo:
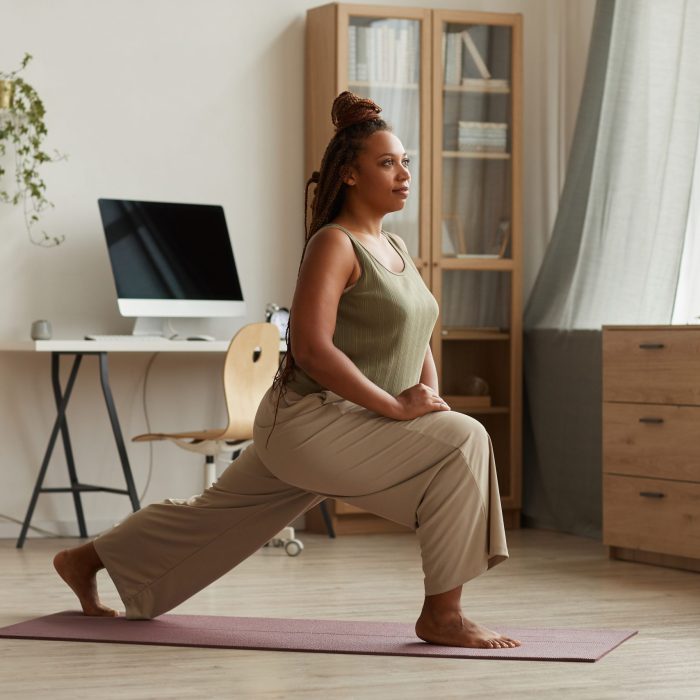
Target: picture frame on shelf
[
  {"x": 453, "y": 240},
  {"x": 499, "y": 242},
  {"x": 503, "y": 237}
]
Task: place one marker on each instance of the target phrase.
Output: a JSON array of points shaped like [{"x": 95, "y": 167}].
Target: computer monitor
[{"x": 170, "y": 260}]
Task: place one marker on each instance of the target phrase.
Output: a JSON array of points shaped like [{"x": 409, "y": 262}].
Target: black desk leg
[
  {"x": 104, "y": 380},
  {"x": 67, "y": 447},
  {"x": 62, "y": 402}
]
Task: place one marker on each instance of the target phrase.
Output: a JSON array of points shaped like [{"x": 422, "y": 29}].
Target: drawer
[
  {"x": 667, "y": 520},
  {"x": 652, "y": 440},
  {"x": 654, "y": 366}
]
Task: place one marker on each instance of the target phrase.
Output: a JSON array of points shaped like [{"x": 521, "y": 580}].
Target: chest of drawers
[{"x": 651, "y": 444}]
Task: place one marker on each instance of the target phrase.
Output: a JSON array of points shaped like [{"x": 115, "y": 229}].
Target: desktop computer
[{"x": 170, "y": 260}]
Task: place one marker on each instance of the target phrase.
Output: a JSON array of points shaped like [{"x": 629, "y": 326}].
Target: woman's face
[{"x": 380, "y": 177}]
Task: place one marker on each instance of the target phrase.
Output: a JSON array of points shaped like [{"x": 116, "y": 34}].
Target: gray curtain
[{"x": 617, "y": 245}]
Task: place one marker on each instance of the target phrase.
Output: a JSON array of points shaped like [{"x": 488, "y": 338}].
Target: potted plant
[{"x": 22, "y": 126}]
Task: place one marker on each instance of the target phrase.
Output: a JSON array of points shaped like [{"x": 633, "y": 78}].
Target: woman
[{"x": 353, "y": 414}]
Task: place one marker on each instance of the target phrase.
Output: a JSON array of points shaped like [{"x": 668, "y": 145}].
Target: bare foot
[
  {"x": 82, "y": 579},
  {"x": 453, "y": 629}
]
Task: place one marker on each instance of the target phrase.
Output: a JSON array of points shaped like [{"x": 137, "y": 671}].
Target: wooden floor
[{"x": 550, "y": 579}]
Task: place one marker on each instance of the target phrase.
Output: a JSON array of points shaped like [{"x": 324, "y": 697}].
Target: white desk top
[{"x": 128, "y": 345}]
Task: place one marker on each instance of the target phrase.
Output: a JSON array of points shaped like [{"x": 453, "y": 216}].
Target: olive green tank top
[{"x": 384, "y": 323}]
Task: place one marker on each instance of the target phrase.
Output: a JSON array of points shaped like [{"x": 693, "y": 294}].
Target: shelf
[
  {"x": 475, "y": 263},
  {"x": 461, "y": 403},
  {"x": 375, "y": 84},
  {"x": 453, "y": 333},
  {"x": 476, "y": 154},
  {"x": 473, "y": 88}
]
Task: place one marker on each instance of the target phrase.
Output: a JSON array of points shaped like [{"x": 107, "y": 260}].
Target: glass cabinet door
[
  {"x": 476, "y": 140},
  {"x": 384, "y": 62}
]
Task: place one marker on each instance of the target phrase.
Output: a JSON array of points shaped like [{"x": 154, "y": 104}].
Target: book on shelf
[
  {"x": 402, "y": 54},
  {"x": 482, "y": 136},
  {"x": 386, "y": 63},
  {"x": 372, "y": 55},
  {"x": 352, "y": 52},
  {"x": 477, "y": 147},
  {"x": 476, "y": 56},
  {"x": 452, "y": 53},
  {"x": 456, "y": 46},
  {"x": 485, "y": 83},
  {"x": 362, "y": 72},
  {"x": 477, "y": 255},
  {"x": 480, "y": 126},
  {"x": 384, "y": 52},
  {"x": 414, "y": 52}
]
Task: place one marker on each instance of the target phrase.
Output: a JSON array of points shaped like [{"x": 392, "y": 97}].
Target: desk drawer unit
[{"x": 651, "y": 444}]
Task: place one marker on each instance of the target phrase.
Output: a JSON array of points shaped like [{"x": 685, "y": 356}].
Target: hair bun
[{"x": 349, "y": 109}]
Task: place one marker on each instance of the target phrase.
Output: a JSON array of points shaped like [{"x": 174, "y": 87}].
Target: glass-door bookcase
[{"x": 476, "y": 226}]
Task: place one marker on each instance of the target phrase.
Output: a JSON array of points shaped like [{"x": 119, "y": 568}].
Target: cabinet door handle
[
  {"x": 651, "y": 494},
  {"x": 651, "y": 420},
  {"x": 651, "y": 346}
]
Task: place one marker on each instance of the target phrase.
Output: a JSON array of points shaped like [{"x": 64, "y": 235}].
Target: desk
[{"x": 78, "y": 349}]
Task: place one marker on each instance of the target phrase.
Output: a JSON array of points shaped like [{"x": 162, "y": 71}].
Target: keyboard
[{"x": 124, "y": 338}]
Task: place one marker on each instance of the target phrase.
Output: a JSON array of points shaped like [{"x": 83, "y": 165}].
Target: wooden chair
[{"x": 250, "y": 365}]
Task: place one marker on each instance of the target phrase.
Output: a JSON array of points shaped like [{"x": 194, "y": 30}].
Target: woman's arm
[
  {"x": 428, "y": 374},
  {"x": 325, "y": 271}
]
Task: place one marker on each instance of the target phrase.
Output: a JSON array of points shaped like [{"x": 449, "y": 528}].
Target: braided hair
[{"x": 355, "y": 118}]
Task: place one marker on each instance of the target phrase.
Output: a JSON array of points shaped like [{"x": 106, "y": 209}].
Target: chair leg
[
  {"x": 209, "y": 471},
  {"x": 327, "y": 519}
]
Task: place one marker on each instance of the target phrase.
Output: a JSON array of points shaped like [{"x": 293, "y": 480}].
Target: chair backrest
[{"x": 251, "y": 362}]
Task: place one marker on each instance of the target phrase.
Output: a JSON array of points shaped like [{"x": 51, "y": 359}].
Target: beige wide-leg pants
[{"x": 436, "y": 474}]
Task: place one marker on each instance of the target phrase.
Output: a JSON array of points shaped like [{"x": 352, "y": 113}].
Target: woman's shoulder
[
  {"x": 340, "y": 236},
  {"x": 333, "y": 231},
  {"x": 330, "y": 232},
  {"x": 331, "y": 241}
]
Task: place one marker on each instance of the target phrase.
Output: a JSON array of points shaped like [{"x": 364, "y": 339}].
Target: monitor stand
[{"x": 152, "y": 325}]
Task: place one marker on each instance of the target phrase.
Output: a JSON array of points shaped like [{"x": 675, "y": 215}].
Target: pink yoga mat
[{"x": 334, "y": 636}]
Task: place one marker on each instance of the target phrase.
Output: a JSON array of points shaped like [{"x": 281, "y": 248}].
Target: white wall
[{"x": 200, "y": 102}]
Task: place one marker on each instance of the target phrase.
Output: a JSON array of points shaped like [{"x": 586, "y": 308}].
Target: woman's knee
[
  {"x": 465, "y": 429},
  {"x": 474, "y": 441}
]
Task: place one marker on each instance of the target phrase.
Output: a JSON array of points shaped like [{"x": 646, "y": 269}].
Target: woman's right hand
[{"x": 418, "y": 400}]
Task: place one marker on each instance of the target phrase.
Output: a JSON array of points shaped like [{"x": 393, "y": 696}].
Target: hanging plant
[{"x": 22, "y": 125}]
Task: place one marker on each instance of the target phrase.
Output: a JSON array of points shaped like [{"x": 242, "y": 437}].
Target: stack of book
[
  {"x": 458, "y": 49},
  {"x": 384, "y": 52},
  {"x": 482, "y": 136}
]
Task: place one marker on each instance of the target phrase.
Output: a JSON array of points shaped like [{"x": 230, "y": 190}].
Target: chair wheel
[{"x": 293, "y": 547}]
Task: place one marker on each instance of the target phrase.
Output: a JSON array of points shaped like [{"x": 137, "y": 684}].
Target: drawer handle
[
  {"x": 651, "y": 420},
  {"x": 651, "y": 494},
  {"x": 651, "y": 346}
]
